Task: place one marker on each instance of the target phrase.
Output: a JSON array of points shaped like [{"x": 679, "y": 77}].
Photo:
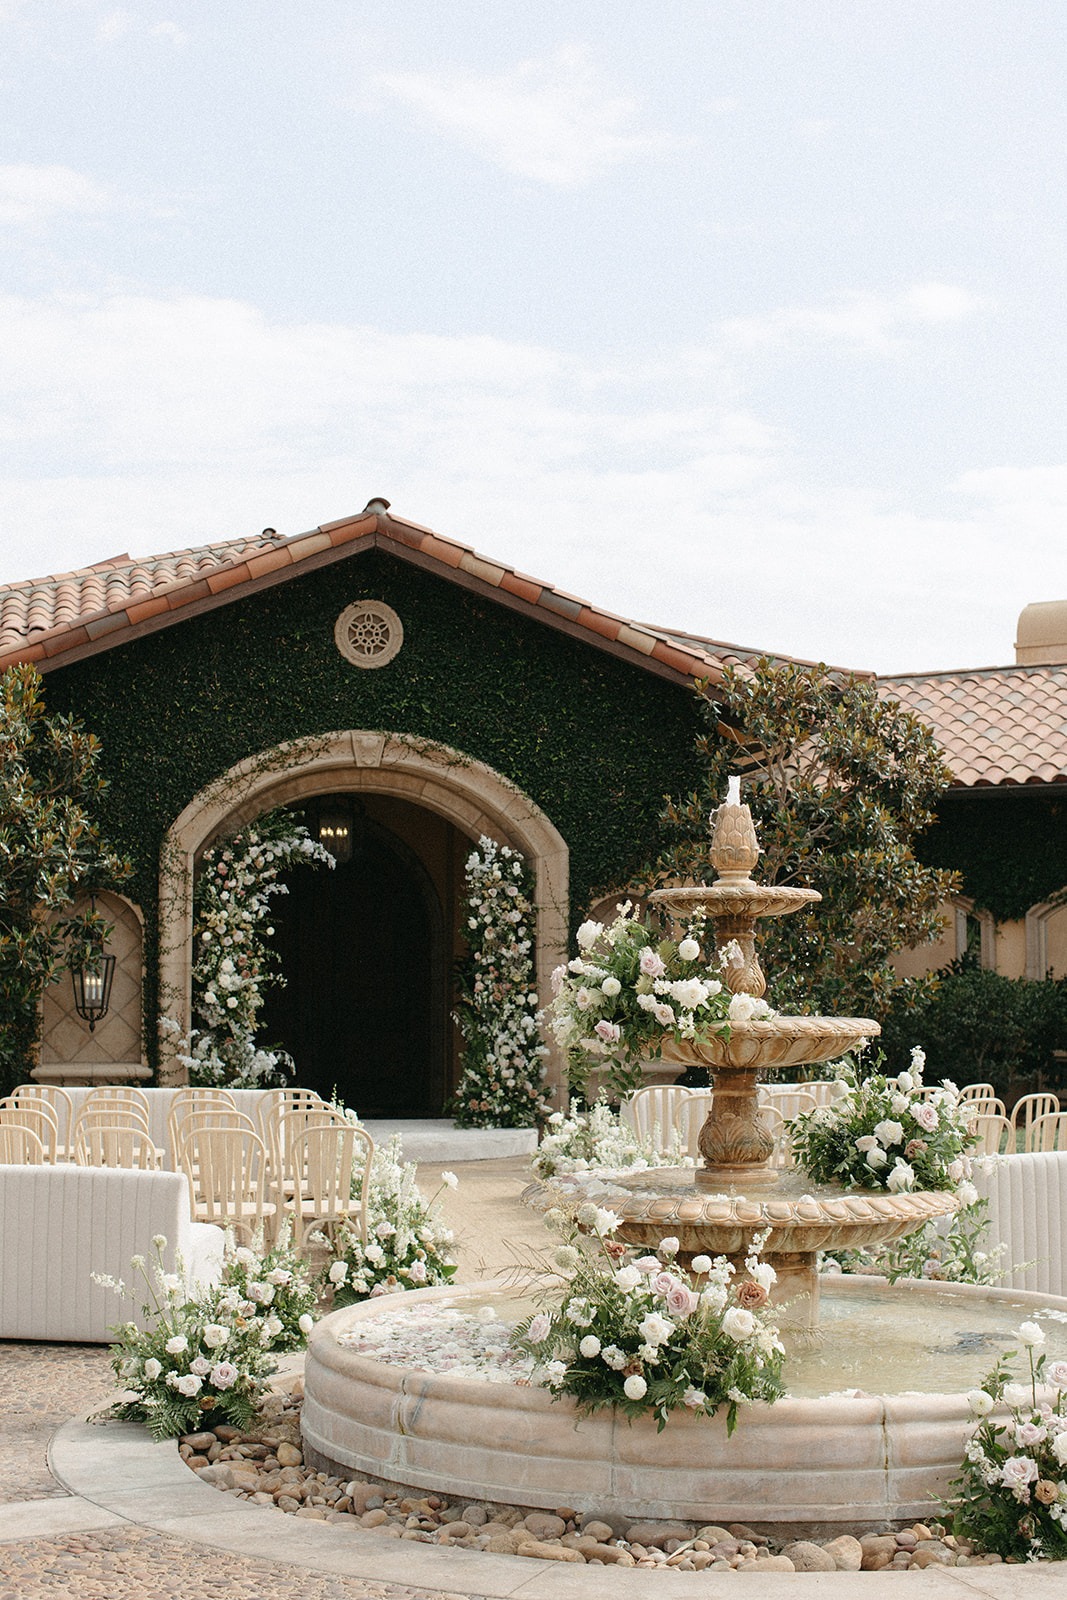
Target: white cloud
[
  {"x": 148, "y": 424},
  {"x": 865, "y": 321},
  {"x": 32, "y": 195},
  {"x": 552, "y": 120}
]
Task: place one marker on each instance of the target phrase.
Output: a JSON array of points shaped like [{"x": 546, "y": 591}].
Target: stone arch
[
  {"x": 1046, "y": 939},
  {"x": 466, "y": 792}
]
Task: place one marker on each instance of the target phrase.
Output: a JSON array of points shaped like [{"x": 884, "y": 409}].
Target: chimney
[{"x": 1041, "y": 638}]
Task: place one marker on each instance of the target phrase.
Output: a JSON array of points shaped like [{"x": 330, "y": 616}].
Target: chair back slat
[
  {"x": 329, "y": 1168},
  {"x": 1047, "y": 1132},
  {"x": 1031, "y": 1106},
  {"x": 20, "y": 1146},
  {"x": 993, "y": 1130},
  {"x": 98, "y": 1143}
]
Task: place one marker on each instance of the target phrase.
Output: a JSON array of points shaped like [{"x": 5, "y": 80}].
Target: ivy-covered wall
[
  {"x": 594, "y": 741},
  {"x": 1010, "y": 846}
]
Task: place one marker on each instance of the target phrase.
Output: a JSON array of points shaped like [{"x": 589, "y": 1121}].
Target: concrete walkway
[{"x": 99, "y": 1511}]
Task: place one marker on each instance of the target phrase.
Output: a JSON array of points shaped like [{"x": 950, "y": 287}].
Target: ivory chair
[
  {"x": 187, "y": 1126},
  {"x": 994, "y": 1132},
  {"x": 119, "y": 1094},
  {"x": 227, "y": 1172},
  {"x": 275, "y": 1104},
  {"x": 38, "y": 1117},
  {"x": 20, "y": 1146},
  {"x": 1029, "y": 1107},
  {"x": 655, "y": 1111},
  {"x": 986, "y": 1106},
  {"x": 791, "y": 1102},
  {"x": 59, "y": 1103},
  {"x": 1048, "y": 1132},
  {"x": 187, "y": 1102},
  {"x": 327, "y": 1179},
  {"x": 98, "y": 1143},
  {"x": 978, "y": 1091}
]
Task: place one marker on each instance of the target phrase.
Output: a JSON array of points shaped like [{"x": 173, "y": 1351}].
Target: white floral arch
[{"x": 467, "y": 793}]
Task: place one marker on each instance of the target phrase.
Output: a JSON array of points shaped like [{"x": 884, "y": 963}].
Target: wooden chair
[
  {"x": 186, "y": 1102},
  {"x": 185, "y": 1127},
  {"x": 327, "y": 1179},
  {"x": 655, "y": 1112},
  {"x": 1048, "y": 1132},
  {"x": 119, "y": 1094},
  {"x": 790, "y": 1102},
  {"x": 20, "y": 1146},
  {"x": 1029, "y": 1107},
  {"x": 978, "y": 1091},
  {"x": 995, "y": 1133},
  {"x": 227, "y": 1172},
  {"x": 98, "y": 1143},
  {"x": 692, "y": 1115},
  {"x": 59, "y": 1102},
  {"x": 275, "y": 1104},
  {"x": 38, "y": 1117},
  {"x": 986, "y": 1106}
]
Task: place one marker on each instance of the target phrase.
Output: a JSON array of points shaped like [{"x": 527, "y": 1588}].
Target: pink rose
[
  {"x": 648, "y": 1265},
  {"x": 224, "y": 1375},
  {"x": 538, "y": 1328},
  {"x": 681, "y": 1302},
  {"x": 652, "y": 963},
  {"x": 610, "y": 1032},
  {"x": 925, "y": 1115},
  {"x": 662, "y": 1283}
]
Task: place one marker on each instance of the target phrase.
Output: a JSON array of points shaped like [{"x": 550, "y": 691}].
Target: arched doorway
[
  {"x": 365, "y": 951},
  {"x": 435, "y": 778}
]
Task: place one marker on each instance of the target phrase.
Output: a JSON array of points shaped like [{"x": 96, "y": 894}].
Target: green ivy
[
  {"x": 1010, "y": 847},
  {"x": 595, "y": 741}
]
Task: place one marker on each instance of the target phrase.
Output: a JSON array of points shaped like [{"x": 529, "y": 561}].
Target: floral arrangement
[
  {"x": 598, "y": 1138},
  {"x": 502, "y": 1082},
  {"x": 639, "y": 1332},
  {"x": 944, "y": 1250},
  {"x": 407, "y": 1245},
  {"x": 632, "y": 988},
  {"x": 883, "y": 1133},
  {"x": 205, "y": 1355},
  {"x": 233, "y": 963},
  {"x": 1012, "y": 1489}
]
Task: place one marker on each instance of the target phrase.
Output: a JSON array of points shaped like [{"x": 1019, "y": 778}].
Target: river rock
[
  {"x": 288, "y": 1455},
  {"x": 657, "y": 1533},
  {"x": 846, "y": 1551},
  {"x": 543, "y": 1525}
]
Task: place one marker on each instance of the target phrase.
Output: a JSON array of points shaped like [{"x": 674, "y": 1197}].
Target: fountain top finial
[{"x": 734, "y": 846}]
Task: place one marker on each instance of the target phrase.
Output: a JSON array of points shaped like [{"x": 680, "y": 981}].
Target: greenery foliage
[
  {"x": 980, "y": 1027},
  {"x": 177, "y": 708},
  {"x": 51, "y": 851},
  {"x": 842, "y": 781},
  {"x": 947, "y": 1250},
  {"x": 1010, "y": 847},
  {"x": 233, "y": 960},
  {"x": 1011, "y": 1494},
  {"x": 503, "y": 1073}
]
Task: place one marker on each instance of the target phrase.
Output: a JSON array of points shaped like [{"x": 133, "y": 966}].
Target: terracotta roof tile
[
  {"x": 996, "y": 725},
  {"x": 49, "y": 618}
]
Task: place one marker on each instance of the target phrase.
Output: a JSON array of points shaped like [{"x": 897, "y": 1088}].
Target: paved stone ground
[{"x": 44, "y": 1385}]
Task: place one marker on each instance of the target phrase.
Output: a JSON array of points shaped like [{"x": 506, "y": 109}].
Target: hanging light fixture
[
  {"x": 92, "y": 982},
  {"x": 335, "y": 828}
]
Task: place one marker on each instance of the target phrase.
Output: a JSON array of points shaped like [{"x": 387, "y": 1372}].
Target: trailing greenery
[
  {"x": 980, "y": 1027},
  {"x": 51, "y": 851},
  {"x": 841, "y": 783},
  {"x": 594, "y": 741}
]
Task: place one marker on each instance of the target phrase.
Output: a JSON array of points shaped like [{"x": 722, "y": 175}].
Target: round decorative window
[{"x": 368, "y": 633}]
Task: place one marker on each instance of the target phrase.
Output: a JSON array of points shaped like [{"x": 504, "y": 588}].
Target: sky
[{"x": 742, "y": 317}]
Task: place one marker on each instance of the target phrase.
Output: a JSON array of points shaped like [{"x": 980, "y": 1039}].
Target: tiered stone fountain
[
  {"x": 867, "y": 1432},
  {"x": 736, "y": 1193}
]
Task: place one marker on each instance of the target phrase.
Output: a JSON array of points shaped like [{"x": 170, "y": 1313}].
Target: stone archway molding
[{"x": 469, "y": 794}]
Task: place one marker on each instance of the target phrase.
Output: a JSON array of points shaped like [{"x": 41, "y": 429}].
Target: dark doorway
[{"x": 362, "y": 947}]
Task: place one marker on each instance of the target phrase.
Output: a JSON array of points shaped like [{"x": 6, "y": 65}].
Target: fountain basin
[{"x": 822, "y": 1461}]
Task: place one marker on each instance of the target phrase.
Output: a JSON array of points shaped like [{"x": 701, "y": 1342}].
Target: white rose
[
  {"x": 1031, "y": 1335},
  {"x": 738, "y": 1324},
  {"x": 627, "y": 1278},
  {"x": 177, "y": 1346},
  {"x": 338, "y": 1272},
  {"x": 742, "y": 1008},
  {"x": 215, "y": 1335},
  {"x": 967, "y": 1193},
  {"x": 152, "y": 1369},
  {"x": 588, "y": 934},
  {"x": 306, "y": 1323},
  {"x": 888, "y": 1132},
  {"x": 1059, "y": 1448},
  {"x": 902, "y": 1177},
  {"x": 689, "y": 950},
  {"x": 635, "y": 1387},
  {"x": 876, "y": 1158},
  {"x": 450, "y": 1180},
  {"x": 189, "y": 1385}
]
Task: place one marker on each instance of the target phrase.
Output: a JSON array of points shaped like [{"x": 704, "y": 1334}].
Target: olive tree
[
  {"x": 840, "y": 782},
  {"x": 50, "y": 853}
]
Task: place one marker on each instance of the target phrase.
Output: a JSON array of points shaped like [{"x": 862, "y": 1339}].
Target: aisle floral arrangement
[
  {"x": 598, "y": 1139},
  {"x": 233, "y": 962},
  {"x": 1011, "y": 1494},
  {"x": 885, "y": 1133},
  {"x": 635, "y": 1330},
  {"x": 632, "y": 988},
  {"x": 502, "y": 1079},
  {"x": 206, "y": 1354},
  {"x": 407, "y": 1245}
]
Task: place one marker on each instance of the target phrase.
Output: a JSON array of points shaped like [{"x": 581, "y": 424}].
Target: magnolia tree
[
  {"x": 50, "y": 853},
  {"x": 840, "y": 783}
]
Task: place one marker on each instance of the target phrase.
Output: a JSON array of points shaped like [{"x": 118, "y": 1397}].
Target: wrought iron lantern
[{"x": 92, "y": 983}]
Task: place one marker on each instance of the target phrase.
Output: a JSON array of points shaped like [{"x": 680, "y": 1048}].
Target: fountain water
[{"x": 820, "y": 1457}]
